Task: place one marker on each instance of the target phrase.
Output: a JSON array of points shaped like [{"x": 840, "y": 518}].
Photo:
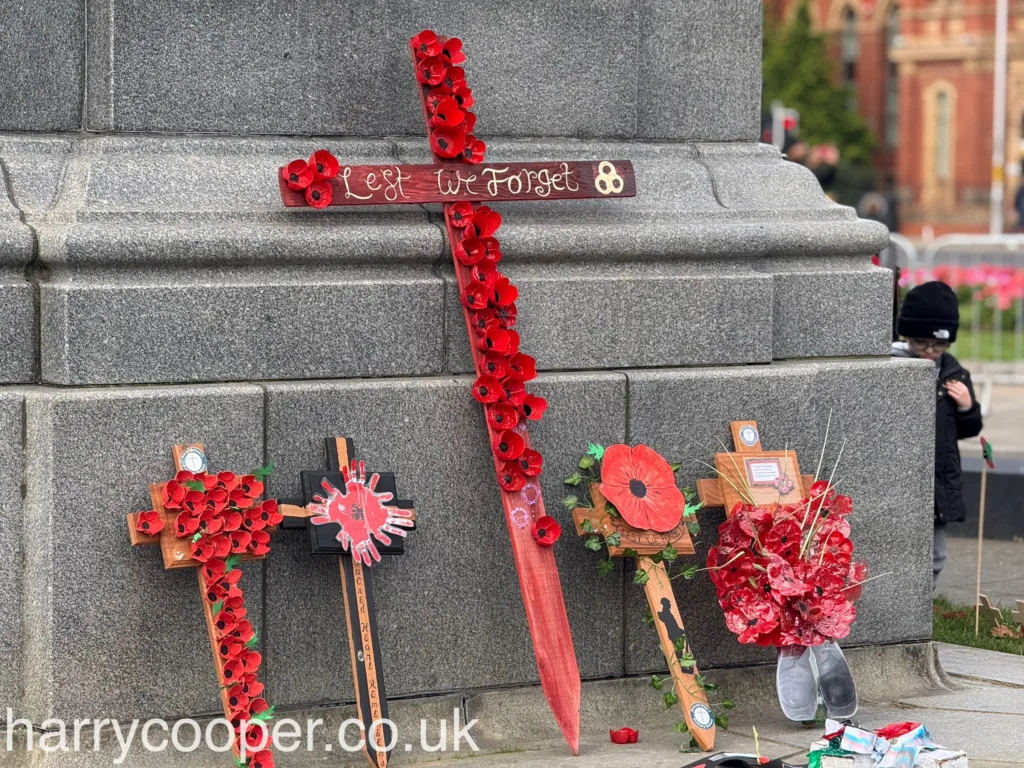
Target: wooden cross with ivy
[{"x": 656, "y": 554}]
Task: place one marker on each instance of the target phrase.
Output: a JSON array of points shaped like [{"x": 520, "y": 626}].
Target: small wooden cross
[
  {"x": 750, "y": 474},
  {"x": 177, "y": 553},
  {"x": 662, "y": 600},
  {"x": 460, "y": 181},
  {"x": 338, "y": 525},
  {"x": 992, "y": 612}
]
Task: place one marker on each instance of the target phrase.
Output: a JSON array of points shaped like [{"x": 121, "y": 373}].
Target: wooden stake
[{"x": 981, "y": 535}]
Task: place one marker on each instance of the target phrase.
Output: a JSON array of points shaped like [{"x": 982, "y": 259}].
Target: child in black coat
[{"x": 928, "y": 321}]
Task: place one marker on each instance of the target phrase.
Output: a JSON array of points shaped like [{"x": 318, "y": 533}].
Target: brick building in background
[{"x": 921, "y": 72}]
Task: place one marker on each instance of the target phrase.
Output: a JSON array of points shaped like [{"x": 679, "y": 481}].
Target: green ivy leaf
[
  {"x": 686, "y": 661},
  {"x": 265, "y": 715},
  {"x": 570, "y": 502},
  {"x": 693, "y": 744},
  {"x": 595, "y": 450},
  {"x": 195, "y": 485},
  {"x": 692, "y": 509},
  {"x": 641, "y": 577},
  {"x": 722, "y": 721},
  {"x": 252, "y": 642},
  {"x": 657, "y": 683},
  {"x": 680, "y": 645},
  {"x": 605, "y": 567},
  {"x": 614, "y": 540},
  {"x": 232, "y": 562},
  {"x": 689, "y": 572},
  {"x": 593, "y": 543},
  {"x": 611, "y": 510},
  {"x": 670, "y": 699},
  {"x": 630, "y": 553},
  {"x": 574, "y": 479},
  {"x": 262, "y": 473},
  {"x": 682, "y": 727},
  {"x": 669, "y": 553},
  {"x": 693, "y": 527},
  {"x": 728, "y": 704},
  {"x": 676, "y": 466},
  {"x": 648, "y": 617},
  {"x": 217, "y": 607},
  {"x": 587, "y": 525},
  {"x": 587, "y": 462},
  {"x": 688, "y": 492}
]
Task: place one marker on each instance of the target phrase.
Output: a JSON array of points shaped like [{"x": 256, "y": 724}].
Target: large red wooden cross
[{"x": 461, "y": 181}]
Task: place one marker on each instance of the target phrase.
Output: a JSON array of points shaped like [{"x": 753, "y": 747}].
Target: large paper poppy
[
  {"x": 454, "y": 77},
  {"x": 325, "y": 166},
  {"x": 504, "y": 292},
  {"x": 508, "y": 445},
  {"x": 515, "y": 390},
  {"x": 531, "y": 463},
  {"x": 470, "y": 250},
  {"x": 452, "y": 51},
  {"x": 430, "y": 70},
  {"x": 495, "y": 339},
  {"x": 510, "y": 477},
  {"x": 150, "y": 523},
  {"x": 460, "y": 214},
  {"x": 447, "y": 142},
  {"x": 494, "y": 365},
  {"x": 484, "y": 273},
  {"x": 486, "y": 221},
  {"x": 642, "y": 486},
  {"x": 546, "y": 530},
  {"x": 480, "y": 321},
  {"x": 534, "y": 407},
  {"x": 502, "y": 416},
  {"x": 506, "y": 315},
  {"x": 319, "y": 194},
  {"x": 487, "y": 389},
  {"x": 298, "y": 174},
  {"x": 523, "y": 366},
  {"x": 448, "y": 113},
  {"x": 475, "y": 296},
  {"x": 427, "y": 43}
]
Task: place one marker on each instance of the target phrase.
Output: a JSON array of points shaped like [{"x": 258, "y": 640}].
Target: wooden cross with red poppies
[
  {"x": 461, "y": 181},
  {"x": 358, "y": 518},
  {"x": 212, "y": 522}
]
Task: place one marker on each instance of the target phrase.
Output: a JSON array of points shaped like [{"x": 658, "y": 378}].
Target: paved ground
[
  {"x": 1004, "y": 424},
  {"x": 1002, "y": 575},
  {"x": 979, "y": 709}
]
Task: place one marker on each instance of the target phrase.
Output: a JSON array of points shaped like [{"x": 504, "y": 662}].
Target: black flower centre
[
  {"x": 319, "y": 167},
  {"x": 542, "y": 532},
  {"x": 503, "y": 447},
  {"x": 483, "y": 391},
  {"x": 293, "y": 177},
  {"x": 443, "y": 144},
  {"x": 637, "y": 488},
  {"x": 499, "y": 419},
  {"x": 315, "y": 195}
]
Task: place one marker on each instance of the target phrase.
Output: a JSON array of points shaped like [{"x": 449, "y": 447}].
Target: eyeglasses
[{"x": 923, "y": 344}]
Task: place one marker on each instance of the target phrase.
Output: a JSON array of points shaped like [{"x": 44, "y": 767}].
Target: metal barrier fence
[{"x": 987, "y": 272}]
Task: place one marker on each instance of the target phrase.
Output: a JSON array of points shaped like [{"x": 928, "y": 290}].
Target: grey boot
[
  {"x": 797, "y": 683},
  {"x": 837, "y": 687}
]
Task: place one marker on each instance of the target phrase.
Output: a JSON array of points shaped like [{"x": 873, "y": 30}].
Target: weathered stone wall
[{"x": 153, "y": 290}]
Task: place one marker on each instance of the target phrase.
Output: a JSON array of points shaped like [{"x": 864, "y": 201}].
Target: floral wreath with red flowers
[
  {"x": 787, "y": 576},
  {"x": 224, "y": 520},
  {"x": 639, "y": 486}
]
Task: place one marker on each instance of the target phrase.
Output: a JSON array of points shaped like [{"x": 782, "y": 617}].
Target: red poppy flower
[
  {"x": 506, "y": 315},
  {"x": 756, "y": 521},
  {"x": 210, "y": 522},
  {"x": 269, "y": 512},
  {"x": 480, "y": 321},
  {"x": 820, "y": 489},
  {"x": 221, "y": 544},
  {"x": 837, "y": 550},
  {"x": 229, "y": 648},
  {"x": 782, "y": 579},
  {"x": 149, "y": 523},
  {"x": 624, "y": 736},
  {"x": 784, "y": 540},
  {"x": 494, "y": 365},
  {"x": 823, "y": 584},
  {"x": 460, "y": 214},
  {"x": 504, "y": 292},
  {"x": 740, "y": 596},
  {"x": 217, "y": 499},
  {"x": 173, "y": 494},
  {"x": 523, "y": 366},
  {"x": 492, "y": 249},
  {"x": 834, "y": 525},
  {"x": 258, "y": 706},
  {"x": 202, "y": 551},
  {"x": 237, "y": 698},
  {"x": 469, "y": 123},
  {"x": 485, "y": 274},
  {"x": 298, "y": 174},
  {"x": 513, "y": 343},
  {"x": 227, "y": 480},
  {"x": 732, "y": 534},
  {"x": 531, "y": 463},
  {"x": 260, "y": 543},
  {"x": 222, "y": 590},
  {"x": 474, "y": 150},
  {"x": 232, "y": 520},
  {"x": 325, "y": 165},
  {"x": 183, "y": 476},
  {"x": 319, "y": 194},
  {"x": 841, "y": 506},
  {"x": 534, "y": 407},
  {"x": 236, "y": 607},
  {"x": 447, "y": 113},
  {"x": 753, "y": 619},
  {"x": 642, "y": 486},
  {"x": 251, "y": 660},
  {"x": 858, "y": 572},
  {"x": 895, "y": 730},
  {"x": 475, "y": 296},
  {"x": 195, "y": 502},
  {"x": 430, "y": 70},
  {"x": 487, "y": 389},
  {"x": 470, "y": 250},
  {"x": 253, "y": 520},
  {"x": 447, "y": 142},
  {"x": 835, "y": 622},
  {"x": 436, "y": 95},
  {"x": 502, "y": 416},
  {"x": 263, "y": 759},
  {"x": 452, "y": 51},
  {"x": 454, "y": 78},
  {"x": 546, "y": 530},
  {"x": 495, "y": 339},
  {"x": 255, "y": 738},
  {"x": 234, "y": 670},
  {"x": 214, "y": 570},
  {"x": 796, "y": 628},
  {"x": 510, "y": 478},
  {"x": 251, "y": 686},
  {"x": 239, "y": 498},
  {"x": 726, "y": 568},
  {"x": 240, "y": 541},
  {"x": 485, "y": 221},
  {"x": 508, "y": 445},
  {"x": 464, "y": 96},
  {"x": 515, "y": 390},
  {"x": 225, "y": 621},
  {"x": 426, "y": 43},
  {"x": 243, "y": 632}
]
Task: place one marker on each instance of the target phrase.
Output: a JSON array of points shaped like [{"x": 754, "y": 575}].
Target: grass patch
[
  {"x": 982, "y": 346},
  {"x": 955, "y": 624}
]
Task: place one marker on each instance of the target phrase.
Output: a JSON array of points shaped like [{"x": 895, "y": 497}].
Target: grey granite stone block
[
  {"x": 884, "y": 411},
  {"x": 109, "y": 632},
  {"x": 449, "y": 610},
  {"x": 700, "y": 70},
  {"x": 42, "y": 58},
  {"x": 11, "y": 475},
  {"x": 17, "y": 330},
  {"x": 632, "y": 315},
  {"x": 839, "y": 307}
]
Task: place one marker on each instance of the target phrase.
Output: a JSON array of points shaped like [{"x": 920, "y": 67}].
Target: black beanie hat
[{"x": 930, "y": 311}]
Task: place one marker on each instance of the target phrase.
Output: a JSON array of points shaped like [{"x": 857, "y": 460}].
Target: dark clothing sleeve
[{"x": 968, "y": 423}]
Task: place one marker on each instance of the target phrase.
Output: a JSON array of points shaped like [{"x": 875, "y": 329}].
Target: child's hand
[{"x": 960, "y": 394}]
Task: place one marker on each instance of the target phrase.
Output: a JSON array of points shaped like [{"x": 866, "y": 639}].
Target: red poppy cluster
[
  {"x": 314, "y": 176},
  {"x": 787, "y": 577},
  {"x": 223, "y": 518},
  {"x": 447, "y": 97},
  {"x": 488, "y": 296}
]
